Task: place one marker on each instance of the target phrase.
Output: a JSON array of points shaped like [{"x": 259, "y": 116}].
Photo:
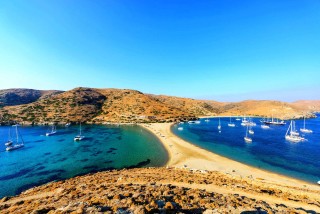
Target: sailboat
[
  {"x": 246, "y": 138},
  {"x": 53, "y": 131},
  {"x": 251, "y": 131},
  {"x": 9, "y": 142},
  {"x": 294, "y": 131},
  {"x": 17, "y": 145},
  {"x": 238, "y": 118},
  {"x": 304, "y": 130},
  {"x": 265, "y": 126},
  {"x": 207, "y": 120},
  {"x": 244, "y": 121},
  {"x": 231, "y": 124},
  {"x": 219, "y": 126},
  {"x": 79, "y": 136},
  {"x": 292, "y": 137}
]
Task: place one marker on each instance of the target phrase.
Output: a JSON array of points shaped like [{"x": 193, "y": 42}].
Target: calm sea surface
[
  {"x": 269, "y": 150},
  {"x": 44, "y": 159}
]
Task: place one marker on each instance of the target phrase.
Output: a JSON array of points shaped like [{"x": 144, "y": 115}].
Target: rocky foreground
[{"x": 162, "y": 190}]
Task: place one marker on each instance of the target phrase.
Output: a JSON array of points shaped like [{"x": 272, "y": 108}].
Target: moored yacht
[
  {"x": 53, "y": 131},
  {"x": 304, "y": 130},
  {"x": 17, "y": 144},
  {"x": 231, "y": 124},
  {"x": 291, "y": 134},
  {"x": 79, "y": 137},
  {"x": 246, "y": 138}
]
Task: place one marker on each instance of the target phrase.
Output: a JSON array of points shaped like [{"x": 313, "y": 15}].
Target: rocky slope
[
  {"x": 125, "y": 106},
  {"x": 18, "y": 96},
  {"x": 162, "y": 190}
]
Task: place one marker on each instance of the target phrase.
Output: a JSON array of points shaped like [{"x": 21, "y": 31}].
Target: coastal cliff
[{"x": 130, "y": 106}]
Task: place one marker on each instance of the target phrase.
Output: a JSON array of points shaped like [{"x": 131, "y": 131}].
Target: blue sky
[{"x": 222, "y": 50}]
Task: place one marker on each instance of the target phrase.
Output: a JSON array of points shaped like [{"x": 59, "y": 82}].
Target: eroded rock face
[{"x": 156, "y": 190}]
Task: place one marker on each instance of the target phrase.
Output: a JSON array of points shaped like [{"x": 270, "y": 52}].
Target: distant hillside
[
  {"x": 15, "y": 96},
  {"x": 266, "y": 108},
  {"x": 311, "y": 105},
  {"x": 124, "y": 106}
]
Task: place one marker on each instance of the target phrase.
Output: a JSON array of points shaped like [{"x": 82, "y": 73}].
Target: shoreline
[{"x": 182, "y": 154}]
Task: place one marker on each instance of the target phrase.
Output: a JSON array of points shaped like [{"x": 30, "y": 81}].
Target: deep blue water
[
  {"x": 269, "y": 149},
  {"x": 44, "y": 159}
]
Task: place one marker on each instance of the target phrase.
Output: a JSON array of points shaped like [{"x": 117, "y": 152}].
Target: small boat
[
  {"x": 304, "y": 130},
  {"x": 17, "y": 145},
  {"x": 53, "y": 131},
  {"x": 67, "y": 124},
  {"x": 265, "y": 126},
  {"x": 79, "y": 137},
  {"x": 246, "y": 138},
  {"x": 191, "y": 122},
  {"x": 206, "y": 120},
  {"x": 197, "y": 122},
  {"x": 231, "y": 124},
  {"x": 219, "y": 126},
  {"x": 238, "y": 118},
  {"x": 180, "y": 128},
  {"x": 291, "y": 136}
]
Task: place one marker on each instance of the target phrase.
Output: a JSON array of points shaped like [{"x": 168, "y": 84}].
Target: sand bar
[{"x": 183, "y": 154}]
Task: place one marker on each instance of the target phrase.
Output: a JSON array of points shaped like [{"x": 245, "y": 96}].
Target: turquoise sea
[
  {"x": 44, "y": 159},
  {"x": 269, "y": 150}
]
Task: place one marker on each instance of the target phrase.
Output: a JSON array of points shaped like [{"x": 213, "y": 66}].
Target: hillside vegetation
[{"x": 126, "y": 106}]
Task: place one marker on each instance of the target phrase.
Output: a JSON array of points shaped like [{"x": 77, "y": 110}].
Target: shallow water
[
  {"x": 269, "y": 149},
  {"x": 44, "y": 159}
]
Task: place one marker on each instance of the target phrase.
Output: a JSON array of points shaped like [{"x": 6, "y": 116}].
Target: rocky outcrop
[{"x": 161, "y": 190}]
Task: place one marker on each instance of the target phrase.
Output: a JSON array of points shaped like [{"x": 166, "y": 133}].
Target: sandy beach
[{"x": 183, "y": 154}]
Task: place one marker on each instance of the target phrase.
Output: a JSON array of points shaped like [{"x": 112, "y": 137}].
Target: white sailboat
[
  {"x": 265, "y": 126},
  {"x": 219, "y": 126},
  {"x": 180, "y": 128},
  {"x": 17, "y": 145},
  {"x": 292, "y": 137},
  {"x": 304, "y": 130},
  {"x": 238, "y": 118},
  {"x": 293, "y": 130},
  {"x": 244, "y": 121},
  {"x": 53, "y": 131},
  {"x": 251, "y": 131},
  {"x": 246, "y": 138},
  {"x": 79, "y": 136},
  {"x": 9, "y": 142},
  {"x": 231, "y": 124}
]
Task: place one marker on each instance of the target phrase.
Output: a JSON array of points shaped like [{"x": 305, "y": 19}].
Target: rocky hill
[
  {"x": 17, "y": 96},
  {"x": 162, "y": 190},
  {"x": 125, "y": 106}
]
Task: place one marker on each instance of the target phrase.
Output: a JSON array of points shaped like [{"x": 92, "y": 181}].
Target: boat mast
[
  {"x": 17, "y": 133},
  {"x": 289, "y": 128}
]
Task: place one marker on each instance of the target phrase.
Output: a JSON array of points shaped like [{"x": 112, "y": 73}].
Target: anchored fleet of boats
[
  {"x": 291, "y": 135},
  {"x": 17, "y": 142}
]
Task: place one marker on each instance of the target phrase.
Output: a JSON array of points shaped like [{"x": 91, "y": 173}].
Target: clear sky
[{"x": 215, "y": 49}]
